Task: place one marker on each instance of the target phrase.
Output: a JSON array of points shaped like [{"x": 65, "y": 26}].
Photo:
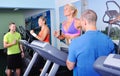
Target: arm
[
  {"x": 20, "y": 47},
  {"x": 70, "y": 65},
  {"x": 115, "y": 20},
  {"x": 71, "y": 59},
  {"x": 57, "y": 35},
  {"x": 22, "y": 52},
  {"x": 61, "y": 37},
  {"x": 6, "y": 44},
  {"x": 32, "y": 33}
]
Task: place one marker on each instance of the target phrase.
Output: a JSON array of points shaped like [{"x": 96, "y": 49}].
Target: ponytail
[{"x": 75, "y": 13}]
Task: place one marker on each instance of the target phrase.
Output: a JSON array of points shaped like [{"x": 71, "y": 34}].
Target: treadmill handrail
[
  {"x": 110, "y": 10},
  {"x": 50, "y": 54},
  {"x": 48, "y": 51}
]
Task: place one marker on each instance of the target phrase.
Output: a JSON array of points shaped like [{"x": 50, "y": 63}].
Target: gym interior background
[{"x": 25, "y": 13}]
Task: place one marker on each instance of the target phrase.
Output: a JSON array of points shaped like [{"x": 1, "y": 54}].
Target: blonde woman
[{"x": 71, "y": 26}]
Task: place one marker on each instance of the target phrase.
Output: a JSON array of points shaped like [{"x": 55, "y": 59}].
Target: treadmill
[
  {"x": 111, "y": 15},
  {"x": 47, "y": 51},
  {"x": 108, "y": 65}
]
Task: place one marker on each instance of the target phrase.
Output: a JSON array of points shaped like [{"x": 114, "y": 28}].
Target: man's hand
[
  {"x": 22, "y": 54},
  {"x": 14, "y": 42},
  {"x": 70, "y": 65}
]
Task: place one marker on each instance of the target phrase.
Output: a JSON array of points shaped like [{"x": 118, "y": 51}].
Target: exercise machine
[
  {"x": 109, "y": 16},
  {"x": 108, "y": 65},
  {"x": 47, "y": 51}
]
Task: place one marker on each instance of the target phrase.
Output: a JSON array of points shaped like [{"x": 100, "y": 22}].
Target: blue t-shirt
[{"x": 85, "y": 49}]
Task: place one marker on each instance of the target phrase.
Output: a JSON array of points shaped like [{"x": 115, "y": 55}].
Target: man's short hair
[
  {"x": 89, "y": 15},
  {"x": 12, "y": 23}
]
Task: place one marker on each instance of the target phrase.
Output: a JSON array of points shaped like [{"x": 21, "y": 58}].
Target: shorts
[{"x": 14, "y": 61}]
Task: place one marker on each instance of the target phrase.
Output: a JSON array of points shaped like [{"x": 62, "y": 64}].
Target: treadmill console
[
  {"x": 112, "y": 61},
  {"x": 39, "y": 43}
]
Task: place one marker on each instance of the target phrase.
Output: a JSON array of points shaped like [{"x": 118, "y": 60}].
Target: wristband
[{"x": 34, "y": 34}]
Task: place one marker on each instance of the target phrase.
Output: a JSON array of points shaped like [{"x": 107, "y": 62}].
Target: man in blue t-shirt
[{"x": 84, "y": 50}]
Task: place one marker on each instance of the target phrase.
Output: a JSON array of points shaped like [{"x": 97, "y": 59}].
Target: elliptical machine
[
  {"x": 107, "y": 65},
  {"x": 112, "y": 19}
]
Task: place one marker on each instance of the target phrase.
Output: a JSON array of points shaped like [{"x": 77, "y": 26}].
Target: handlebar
[
  {"x": 106, "y": 14},
  {"x": 112, "y": 2}
]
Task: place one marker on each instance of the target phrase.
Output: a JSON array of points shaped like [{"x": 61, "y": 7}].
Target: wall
[
  {"x": 28, "y": 13},
  {"x": 31, "y": 17},
  {"x": 7, "y": 16},
  {"x": 27, "y": 4}
]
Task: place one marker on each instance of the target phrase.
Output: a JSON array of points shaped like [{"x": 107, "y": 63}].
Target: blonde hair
[{"x": 73, "y": 8}]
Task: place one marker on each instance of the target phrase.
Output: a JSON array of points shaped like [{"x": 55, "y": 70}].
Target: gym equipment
[
  {"x": 113, "y": 61},
  {"x": 112, "y": 14},
  {"x": 48, "y": 52},
  {"x": 26, "y": 34},
  {"x": 29, "y": 38},
  {"x": 108, "y": 65}
]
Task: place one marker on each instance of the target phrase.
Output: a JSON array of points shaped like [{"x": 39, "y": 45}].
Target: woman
[
  {"x": 44, "y": 34},
  {"x": 70, "y": 27}
]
